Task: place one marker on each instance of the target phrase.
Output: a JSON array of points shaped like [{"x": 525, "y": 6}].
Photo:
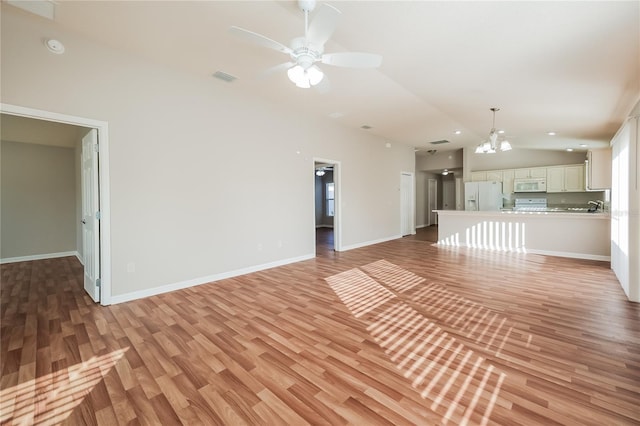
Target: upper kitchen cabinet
[
  {"x": 565, "y": 178},
  {"x": 478, "y": 176},
  {"x": 494, "y": 175},
  {"x": 507, "y": 181},
  {"x": 534, "y": 172},
  {"x": 598, "y": 169}
]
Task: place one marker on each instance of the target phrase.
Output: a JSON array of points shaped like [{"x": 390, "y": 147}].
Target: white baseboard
[
  {"x": 571, "y": 255},
  {"x": 421, "y": 226},
  {"x": 127, "y": 297},
  {"x": 39, "y": 257},
  {"x": 369, "y": 243}
]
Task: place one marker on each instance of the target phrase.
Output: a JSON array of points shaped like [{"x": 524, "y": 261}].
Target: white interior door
[
  {"x": 406, "y": 200},
  {"x": 90, "y": 215}
]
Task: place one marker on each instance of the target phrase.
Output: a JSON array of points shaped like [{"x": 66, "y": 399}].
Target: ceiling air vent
[
  {"x": 439, "y": 142},
  {"x": 224, "y": 76},
  {"x": 365, "y": 127}
]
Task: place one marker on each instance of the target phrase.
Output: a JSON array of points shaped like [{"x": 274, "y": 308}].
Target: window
[{"x": 329, "y": 197}]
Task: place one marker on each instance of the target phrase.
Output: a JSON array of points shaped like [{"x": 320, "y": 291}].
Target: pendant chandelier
[{"x": 491, "y": 145}]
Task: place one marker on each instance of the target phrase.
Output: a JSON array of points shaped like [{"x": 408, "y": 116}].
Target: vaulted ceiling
[{"x": 568, "y": 67}]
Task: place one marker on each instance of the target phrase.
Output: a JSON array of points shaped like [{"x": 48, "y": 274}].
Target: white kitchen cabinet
[
  {"x": 598, "y": 169},
  {"x": 507, "y": 181},
  {"x": 478, "y": 176},
  {"x": 533, "y": 172},
  {"x": 565, "y": 178},
  {"x": 574, "y": 178},
  {"x": 494, "y": 175}
]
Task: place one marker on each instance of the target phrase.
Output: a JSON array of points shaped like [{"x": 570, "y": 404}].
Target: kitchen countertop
[{"x": 532, "y": 214}]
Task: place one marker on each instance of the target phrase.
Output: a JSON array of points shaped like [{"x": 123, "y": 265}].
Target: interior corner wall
[
  {"x": 189, "y": 197},
  {"x": 38, "y": 199}
]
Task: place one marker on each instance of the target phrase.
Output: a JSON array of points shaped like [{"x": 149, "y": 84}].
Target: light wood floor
[{"x": 397, "y": 333}]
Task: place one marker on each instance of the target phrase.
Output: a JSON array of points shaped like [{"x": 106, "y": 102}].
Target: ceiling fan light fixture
[{"x": 305, "y": 78}]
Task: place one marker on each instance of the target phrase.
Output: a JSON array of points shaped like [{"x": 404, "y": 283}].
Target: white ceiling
[{"x": 569, "y": 67}]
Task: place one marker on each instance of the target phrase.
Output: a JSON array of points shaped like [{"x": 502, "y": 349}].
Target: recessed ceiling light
[
  {"x": 54, "y": 46},
  {"x": 569, "y": 149},
  {"x": 583, "y": 145},
  {"x": 501, "y": 132},
  {"x": 551, "y": 133},
  {"x": 458, "y": 132}
]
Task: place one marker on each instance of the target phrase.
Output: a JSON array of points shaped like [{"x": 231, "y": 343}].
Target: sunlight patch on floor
[
  {"x": 461, "y": 385},
  {"x": 50, "y": 399}
]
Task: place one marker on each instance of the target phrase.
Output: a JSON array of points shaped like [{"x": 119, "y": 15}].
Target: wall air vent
[
  {"x": 439, "y": 142},
  {"x": 224, "y": 76},
  {"x": 365, "y": 127}
]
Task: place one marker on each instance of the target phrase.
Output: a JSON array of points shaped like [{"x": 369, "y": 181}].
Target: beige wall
[
  {"x": 38, "y": 200},
  {"x": 190, "y": 197}
]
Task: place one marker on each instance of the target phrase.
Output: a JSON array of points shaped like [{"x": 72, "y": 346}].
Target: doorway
[
  {"x": 432, "y": 202},
  {"x": 448, "y": 194},
  {"x": 326, "y": 206},
  {"x": 407, "y": 206},
  {"x": 101, "y": 243}
]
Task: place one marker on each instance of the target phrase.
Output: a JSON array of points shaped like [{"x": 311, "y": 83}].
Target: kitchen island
[{"x": 566, "y": 234}]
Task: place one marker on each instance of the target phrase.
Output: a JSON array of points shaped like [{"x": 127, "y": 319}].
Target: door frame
[
  {"x": 103, "y": 175},
  {"x": 337, "y": 197}
]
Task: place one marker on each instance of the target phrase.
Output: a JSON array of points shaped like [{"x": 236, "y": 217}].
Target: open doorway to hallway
[{"x": 326, "y": 207}]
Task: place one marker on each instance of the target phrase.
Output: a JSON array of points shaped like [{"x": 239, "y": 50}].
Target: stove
[{"x": 531, "y": 205}]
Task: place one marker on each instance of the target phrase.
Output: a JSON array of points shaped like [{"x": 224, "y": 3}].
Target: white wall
[
  {"x": 189, "y": 194},
  {"x": 625, "y": 208},
  {"x": 38, "y": 198},
  {"x": 439, "y": 161}
]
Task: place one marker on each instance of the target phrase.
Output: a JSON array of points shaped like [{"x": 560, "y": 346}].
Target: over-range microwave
[{"x": 530, "y": 185}]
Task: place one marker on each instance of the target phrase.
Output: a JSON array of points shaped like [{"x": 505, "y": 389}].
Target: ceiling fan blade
[
  {"x": 258, "y": 39},
  {"x": 323, "y": 24},
  {"x": 276, "y": 69},
  {"x": 352, "y": 60}
]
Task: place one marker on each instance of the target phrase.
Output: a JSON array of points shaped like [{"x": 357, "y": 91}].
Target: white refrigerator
[{"x": 482, "y": 196}]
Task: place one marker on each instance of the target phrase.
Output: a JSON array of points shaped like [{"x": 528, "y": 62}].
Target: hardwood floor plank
[{"x": 401, "y": 332}]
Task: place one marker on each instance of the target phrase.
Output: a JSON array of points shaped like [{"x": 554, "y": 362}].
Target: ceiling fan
[{"x": 305, "y": 51}]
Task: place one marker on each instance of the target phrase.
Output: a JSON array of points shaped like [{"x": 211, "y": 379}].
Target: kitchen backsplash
[{"x": 564, "y": 199}]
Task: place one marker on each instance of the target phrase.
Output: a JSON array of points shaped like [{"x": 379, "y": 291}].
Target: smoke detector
[{"x": 54, "y": 46}]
